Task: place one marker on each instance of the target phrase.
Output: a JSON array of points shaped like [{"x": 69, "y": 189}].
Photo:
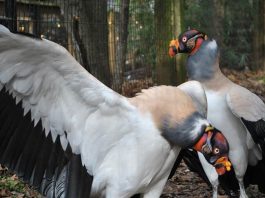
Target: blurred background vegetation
[
  {"x": 238, "y": 27},
  {"x": 124, "y": 43}
]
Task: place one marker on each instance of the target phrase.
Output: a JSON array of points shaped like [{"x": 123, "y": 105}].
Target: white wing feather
[
  {"x": 245, "y": 104},
  {"x": 69, "y": 101}
]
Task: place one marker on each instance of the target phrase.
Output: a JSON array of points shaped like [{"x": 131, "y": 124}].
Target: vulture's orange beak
[
  {"x": 222, "y": 165},
  {"x": 214, "y": 146},
  {"x": 173, "y": 48}
]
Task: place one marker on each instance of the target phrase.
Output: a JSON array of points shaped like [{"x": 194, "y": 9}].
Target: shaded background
[{"x": 124, "y": 43}]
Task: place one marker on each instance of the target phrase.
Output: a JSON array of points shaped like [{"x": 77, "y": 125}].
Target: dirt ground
[{"x": 186, "y": 184}]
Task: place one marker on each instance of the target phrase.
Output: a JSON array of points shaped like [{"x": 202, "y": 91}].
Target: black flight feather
[
  {"x": 35, "y": 158},
  {"x": 254, "y": 174}
]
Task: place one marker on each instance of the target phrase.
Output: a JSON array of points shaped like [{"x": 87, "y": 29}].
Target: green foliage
[
  {"x": 237, "y": 28},
  {"x": 141, "y": 31},
  {"x": 237, "y": 31},
  {"x": 11, "y": 184}
]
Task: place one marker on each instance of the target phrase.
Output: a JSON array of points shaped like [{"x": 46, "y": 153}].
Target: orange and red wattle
[
  {"x": 197, "y": 46},
  {"x": 201, "y": 142}
]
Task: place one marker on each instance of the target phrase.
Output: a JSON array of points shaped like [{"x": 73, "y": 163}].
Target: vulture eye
[
  {"x": 216, "y": 150},
  {"x": 184, "y": 39}
]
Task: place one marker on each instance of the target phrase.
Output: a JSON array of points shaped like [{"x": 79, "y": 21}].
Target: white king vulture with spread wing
[
  {"x": 237, "y": 112},
  {"x": 64, "y": 132}
]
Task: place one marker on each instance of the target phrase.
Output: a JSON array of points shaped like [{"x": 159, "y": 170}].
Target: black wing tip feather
[
  {"x": 36, "y": 158},
  {"x": 257, "y": 131},
  {"x": 256, "y": 174}
]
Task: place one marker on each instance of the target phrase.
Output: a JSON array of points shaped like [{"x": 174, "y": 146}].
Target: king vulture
[
  {"x": 68, "y": 135},
  {"x": 237, "y": 112}
]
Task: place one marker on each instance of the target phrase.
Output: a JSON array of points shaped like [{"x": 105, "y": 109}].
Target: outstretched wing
[
  {"x": 52, "y": 115},
  {"x": 251, "y": 110}
]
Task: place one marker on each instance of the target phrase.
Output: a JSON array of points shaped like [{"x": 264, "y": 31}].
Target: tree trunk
[
  {"x": 263, "y": 59},
  {"x": 75, "y": 44},
  {"x": 262, "y": 33},
  {"x": 168, "y": 18},
  {"x": 177, "y": 28},
  {"x": 259, "y": 38},
  {"x": 11, "y": 14},
  {"x": 112, "y": 41},
  {"x": 218, "y": 21},
  {"x": 121, "y": 45},
  {"x": 94, "y": 33},
  {"x": 80, "y": 47}
]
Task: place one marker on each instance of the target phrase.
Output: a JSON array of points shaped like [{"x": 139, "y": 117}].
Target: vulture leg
[
  {"x": 239, "y": 160},
  {"x": 242, "y": 188}
]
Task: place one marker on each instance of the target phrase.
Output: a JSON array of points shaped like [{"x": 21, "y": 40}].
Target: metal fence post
[{"x": 11, "y": 14}]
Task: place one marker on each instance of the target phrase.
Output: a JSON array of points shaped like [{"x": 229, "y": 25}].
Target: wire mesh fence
[
  {"x": 94, "y": 36},
  {"x": 124, "y": 43}
]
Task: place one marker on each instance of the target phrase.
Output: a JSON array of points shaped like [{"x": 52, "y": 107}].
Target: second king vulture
[
  {"x": 68, "y": 135},
  {"x": 237, "y": 112}
]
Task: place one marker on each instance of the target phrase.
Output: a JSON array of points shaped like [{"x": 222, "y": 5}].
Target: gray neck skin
[{"x": 202, "y": 65}]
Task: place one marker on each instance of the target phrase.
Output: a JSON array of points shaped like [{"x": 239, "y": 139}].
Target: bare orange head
[
  {"x": 214, "y": 146},
  {"x": 187, "y": 42}
]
